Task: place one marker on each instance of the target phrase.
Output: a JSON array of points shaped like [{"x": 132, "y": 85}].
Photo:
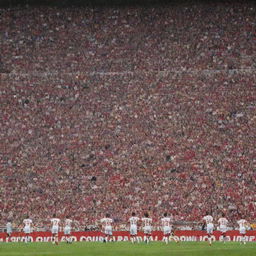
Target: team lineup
[{"x": 146, "y": 224}]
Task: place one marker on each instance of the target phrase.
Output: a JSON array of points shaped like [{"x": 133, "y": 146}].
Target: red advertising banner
[{"x": 95, "y": 236}]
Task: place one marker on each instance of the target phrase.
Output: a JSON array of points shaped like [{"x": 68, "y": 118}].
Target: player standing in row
[
  {"x": 208, "y": 220},
  {"x": 134, "y": 227},
  {"x": 107, "y": 228},
  {"x": 166, "y": 225},
  {"x": 8, "y": 230},
  {"x": 27, "y": 228},
  {"x": 167, "y": 229},
  {"x": 147, "y": 226},
  {"x": 242, "y": 229},
  {"x": 67, "y": 229},
  {"x": 55, "y": 229},
  {"x": 223, "y": 222}
]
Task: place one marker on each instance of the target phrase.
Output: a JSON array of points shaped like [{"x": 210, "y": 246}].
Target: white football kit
[
  {"x": 242, "y": 226},
  {"x": 209, "y": 223},
  {"x": 223, "y": 222},
  {"x": 55, "y": 225},
  {"x": 133, "y": 225},
  {"x": 27, "y": 226},
  {"x": 107, "y": 222},
  {"x": 9, "y": 228},
  {"x": 67, "y": 228},
  {"x": 147, "y": 228},
  {"x": 166, "y": 224}
]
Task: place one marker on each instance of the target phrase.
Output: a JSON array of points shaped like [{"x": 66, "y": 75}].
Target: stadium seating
[{"x": 128, "y": 109}]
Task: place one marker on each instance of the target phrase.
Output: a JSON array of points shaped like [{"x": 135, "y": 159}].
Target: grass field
[{"x": 127, "y": 249}]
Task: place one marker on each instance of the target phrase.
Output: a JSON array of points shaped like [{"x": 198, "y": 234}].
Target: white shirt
[
  {"x": 146, "y": 221},
  {"x": 134, "y": 220},
  {"x": 27, "y": 222},
  {"x": 208, "y": 219},
  {"x": 106, "y": 221},
  {"x": 68, "y": 222},
  {"x": 55, "y": 222},
  {"x": 242, "y": 223},
  {"x": 8, "y": 225},
  {"x": 223, "y": 221},
  {"x": 166, "y": 222}
]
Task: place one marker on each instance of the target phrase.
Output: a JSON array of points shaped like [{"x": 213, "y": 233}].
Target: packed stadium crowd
[{"x": 128, "y": 109}]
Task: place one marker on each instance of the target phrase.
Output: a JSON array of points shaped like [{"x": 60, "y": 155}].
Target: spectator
[{"x": 131, "y": 109}]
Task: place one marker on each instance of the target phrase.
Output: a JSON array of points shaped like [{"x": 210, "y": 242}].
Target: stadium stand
[{"x": 128, "y": 109}]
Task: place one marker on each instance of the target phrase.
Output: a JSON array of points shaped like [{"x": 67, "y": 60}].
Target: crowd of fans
[{"x": 128, "y": 109}]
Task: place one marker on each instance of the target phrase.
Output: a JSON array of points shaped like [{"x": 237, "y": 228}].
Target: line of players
[
  {"x": 107, "y": 222},
  {"x": 166, "y": 223},
  {"x": 223, "y": 226},
  {"x": 55, "y": 225}
]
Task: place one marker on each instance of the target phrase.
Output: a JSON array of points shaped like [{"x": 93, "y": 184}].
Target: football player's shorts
[
  {"x": 133, "y": 230},
  {"x": 108, "y": 230},
  {"x": 55, "y": 230},
  {"x": 27, "y": 230},
  {"x": 223, "y": 229},
  {"x": 209, "y": 228},
  {"x": 167, "y": 230},
  {"x": 9, "y": 231},
  {"x": 67, "y": 230},
  {"x": 147, "y": 229},
  {"x": 242, "y": 230}
]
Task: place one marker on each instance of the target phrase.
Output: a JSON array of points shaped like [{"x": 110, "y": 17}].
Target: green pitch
[{"x": 127, "y": 249}]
